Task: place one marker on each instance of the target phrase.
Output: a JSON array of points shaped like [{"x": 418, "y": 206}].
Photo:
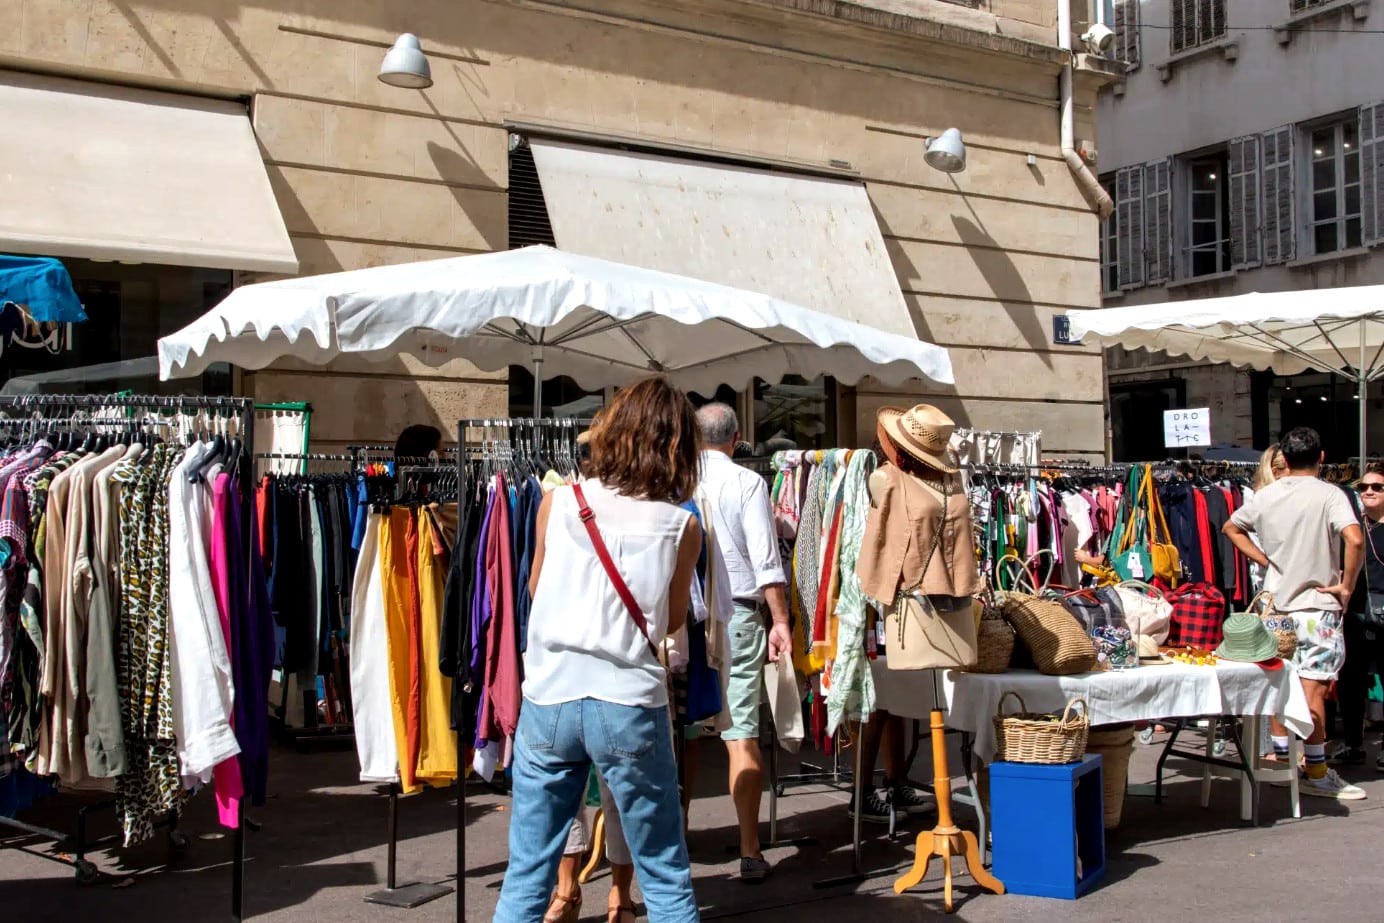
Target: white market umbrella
[
  {"x": 598, "y": 322},
  {"x": 1337, "y": 330}
]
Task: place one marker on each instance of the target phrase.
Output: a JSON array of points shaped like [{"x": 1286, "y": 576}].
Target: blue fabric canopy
[{"x": 41, "y": 284}]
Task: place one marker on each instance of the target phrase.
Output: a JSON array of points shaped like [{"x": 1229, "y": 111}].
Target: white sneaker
[{"x": 1331, "y": 785}]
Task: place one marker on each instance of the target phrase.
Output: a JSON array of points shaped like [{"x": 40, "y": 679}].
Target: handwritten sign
[{"x": 1183, "y": 428}]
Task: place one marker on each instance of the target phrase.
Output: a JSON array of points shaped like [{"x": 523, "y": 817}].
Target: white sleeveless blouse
[{"x": 582, "y": 640}]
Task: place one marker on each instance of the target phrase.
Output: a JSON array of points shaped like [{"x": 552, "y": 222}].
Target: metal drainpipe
[{"x": 1090, "y": 186}]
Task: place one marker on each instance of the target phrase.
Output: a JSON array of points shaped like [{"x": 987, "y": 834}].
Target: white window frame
[
  {"x": 1311, "y": 223},
  {"x": 1206, "y": 15},
  {"x": 1221, "y": 221}
]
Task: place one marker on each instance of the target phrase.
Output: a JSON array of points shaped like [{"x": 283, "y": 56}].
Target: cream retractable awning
[
  {"x": 103, "y": 172},
  {"x": 810, "y": 241}
]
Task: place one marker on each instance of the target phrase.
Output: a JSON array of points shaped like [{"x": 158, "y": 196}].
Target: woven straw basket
[
  {"x": 1058, "y": 642},
  {"x": 994, "y": 646},
  {"x": 1115, "y": 746},
  {"x": 1024, "y": 737}
]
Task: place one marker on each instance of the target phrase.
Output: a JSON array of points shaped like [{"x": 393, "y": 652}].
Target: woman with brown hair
[{"x": 612, "y": 576}]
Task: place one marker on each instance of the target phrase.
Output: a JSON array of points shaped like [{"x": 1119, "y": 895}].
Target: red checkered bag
[{"x": 1198, "y": 613}]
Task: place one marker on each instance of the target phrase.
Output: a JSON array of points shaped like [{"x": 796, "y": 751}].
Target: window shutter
[
  {"x": 1184, "y": 20},
  {"x": 1244, "y": 202},
  {"x": 1127, "y": 31},
  {"x": 1215, "y": 27},
  {"x": 1158, "y": 221},
  {"x": 1280, "y": 232},
  {"x": 1372, "y": 172},
  {"x": 1129, "y": 225}
]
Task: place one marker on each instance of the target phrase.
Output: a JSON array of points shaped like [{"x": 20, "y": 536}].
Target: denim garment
[{"x": 633, "y": 748}]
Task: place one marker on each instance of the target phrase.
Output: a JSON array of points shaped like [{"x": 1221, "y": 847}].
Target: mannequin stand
[{"x": 946, "y": 839}]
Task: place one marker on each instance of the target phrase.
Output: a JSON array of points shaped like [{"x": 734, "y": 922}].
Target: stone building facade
[{"x": 365, "y": 174}]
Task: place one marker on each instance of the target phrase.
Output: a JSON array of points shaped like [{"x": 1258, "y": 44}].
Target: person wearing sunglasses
[{"x": 1364, "y": 624}]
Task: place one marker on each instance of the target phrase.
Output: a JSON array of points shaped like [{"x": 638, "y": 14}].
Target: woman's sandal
[
  {"x": 563, "y": 909},
  {"x": 617, "y": 914}
]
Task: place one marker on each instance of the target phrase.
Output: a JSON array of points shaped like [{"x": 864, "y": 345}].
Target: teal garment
[{"x": 851, "y": 681}]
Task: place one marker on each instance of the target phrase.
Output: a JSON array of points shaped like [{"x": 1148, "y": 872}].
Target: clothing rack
[
  {"x": 179, "y": 405},
  {"x": 567, "y": 428},
  {"x": 311, "y": 732}
]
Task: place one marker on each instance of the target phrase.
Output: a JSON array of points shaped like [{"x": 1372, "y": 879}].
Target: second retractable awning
[
  {"x": 103, "y": 172},
  {"x": 807, "y": 240}
]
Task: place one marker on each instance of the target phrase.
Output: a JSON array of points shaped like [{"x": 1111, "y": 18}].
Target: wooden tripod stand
[{"x": 946, "y": 839}]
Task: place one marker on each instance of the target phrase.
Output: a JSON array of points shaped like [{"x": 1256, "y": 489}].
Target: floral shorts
[{"x": 1321, "y": 645}]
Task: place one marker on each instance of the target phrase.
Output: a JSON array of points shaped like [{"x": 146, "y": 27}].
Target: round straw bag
[
  {"x": 1283, "y": 626},
  {"x": 1115, "y": 746},
  {"x": 1024, "y": 737}
]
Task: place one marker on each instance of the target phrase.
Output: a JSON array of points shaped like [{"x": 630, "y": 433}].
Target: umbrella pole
[
  {"x": 537, "y": 386},
  {"x": 1363, "y": 383}
]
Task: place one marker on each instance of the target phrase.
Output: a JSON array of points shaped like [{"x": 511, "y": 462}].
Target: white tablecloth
[{"x": 1144, "y": 694}]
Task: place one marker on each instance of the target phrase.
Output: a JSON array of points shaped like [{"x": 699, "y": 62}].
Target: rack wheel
[
  {"x": 178, "y": 842},
  {"x": 780, "y": 789},
  {"x": 1218, "y": 748},
  {"x": 1146, "y": 736},
  {"x": 86, "y": 872}
]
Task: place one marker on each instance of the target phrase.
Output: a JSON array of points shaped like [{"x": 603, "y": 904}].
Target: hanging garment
[
  {"x": 202, "y": 685},
  {"x": 370, "y": 673},
  {"x": 851, "y": 683},
  {"x": 150, "y": 785},
  {"x": 437, "y": 749},
  {"x": 403, "y": 655}
]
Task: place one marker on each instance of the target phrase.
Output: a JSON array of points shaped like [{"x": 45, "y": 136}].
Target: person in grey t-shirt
[{"x": 1299, "y": 522}]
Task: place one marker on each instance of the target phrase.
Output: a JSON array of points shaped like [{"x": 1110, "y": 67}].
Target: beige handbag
[
  {"x": 918, "y": 635},
  {"x": 1146, "y": 611}
]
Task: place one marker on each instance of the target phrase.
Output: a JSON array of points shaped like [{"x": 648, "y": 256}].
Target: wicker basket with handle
[
  {"x": 1024, "y": 737},
  {"x": 1283, "y": 625}
]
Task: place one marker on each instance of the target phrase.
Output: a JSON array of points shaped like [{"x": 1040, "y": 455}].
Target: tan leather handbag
[{"x": 918, "y": 635}]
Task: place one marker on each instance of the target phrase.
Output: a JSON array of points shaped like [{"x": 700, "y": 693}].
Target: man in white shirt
[
  {"x": 1300, "y": 522},
  {"x": 739, "y": 507}
]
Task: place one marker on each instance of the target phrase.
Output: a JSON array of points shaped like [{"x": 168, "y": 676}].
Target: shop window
[
  {"x": 128, "y": 308},
  {"x": 1196, "y": 23},
  {"x": 562, "y": 397},
  {"x": 1334, "y": 186},
  {"x": 1136, "y": 418},
  {"x": 792, "y": 414}
]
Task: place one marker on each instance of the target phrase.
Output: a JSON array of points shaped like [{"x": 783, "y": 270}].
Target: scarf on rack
[{"x": 851, "y": 681}]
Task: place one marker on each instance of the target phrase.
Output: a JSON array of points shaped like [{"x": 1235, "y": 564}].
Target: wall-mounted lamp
[
  {"x": 405, "y": 65},
  {"x": 947, "y": 153}
]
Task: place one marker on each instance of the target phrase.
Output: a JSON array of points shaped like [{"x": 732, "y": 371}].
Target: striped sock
[
  {"x": 1316, "y": 760},
  {"x": 1280, "y": 747}
]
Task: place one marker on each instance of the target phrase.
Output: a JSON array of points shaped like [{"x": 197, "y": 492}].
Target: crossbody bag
[{"x": 588, "y": 519}]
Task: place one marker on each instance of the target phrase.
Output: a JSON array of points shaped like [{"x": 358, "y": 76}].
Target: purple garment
[
  {"x": 480, "y": 611},
  {"x": 252, "y": 641}
]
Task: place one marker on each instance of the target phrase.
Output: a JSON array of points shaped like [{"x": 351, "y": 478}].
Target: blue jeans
[{"x": 555, "y": 746}]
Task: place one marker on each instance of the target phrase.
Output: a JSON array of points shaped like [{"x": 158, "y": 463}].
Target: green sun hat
[{"x": 1247, "y": 640}]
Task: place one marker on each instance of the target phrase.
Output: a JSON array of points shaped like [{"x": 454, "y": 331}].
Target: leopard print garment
[{"x": 150, "y": 786}]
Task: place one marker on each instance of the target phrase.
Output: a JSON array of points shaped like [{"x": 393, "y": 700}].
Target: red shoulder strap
[{"x": 622, "y": 589}]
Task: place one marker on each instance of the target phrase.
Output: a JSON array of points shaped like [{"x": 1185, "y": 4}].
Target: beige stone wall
[{"x": 368, "y": 174}]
